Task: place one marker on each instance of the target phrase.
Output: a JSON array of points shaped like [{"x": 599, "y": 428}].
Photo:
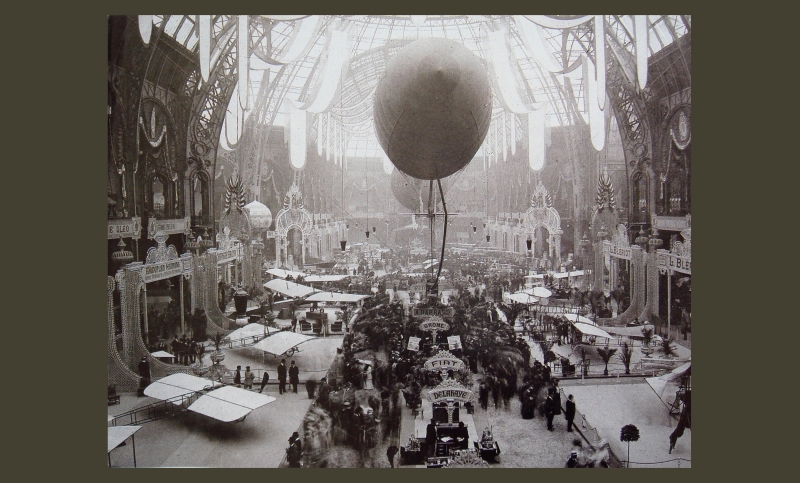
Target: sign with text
[
  {"x": 450, "y": 390},
  {"x": 444, "y": 361},
  {"x": 131, "y": 228},
  {"x": 224, "y": 256},
  {"x": 674, "y": 263},
  {"x": 671, "y": 223},
  {"x": 161, "y": 270},
  {"x": 434, "y": 324},
  {"x": 454, "y": 342},
  {"x": 169, "y": 227},
  {"x": 617, "y": 251},
  {"x": 413, "y": 343}
]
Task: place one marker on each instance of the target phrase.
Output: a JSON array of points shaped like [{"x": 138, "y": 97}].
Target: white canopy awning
[
  {"x": 538, "y": 292},
  {"x": 635, "y": 332},
  {"x": 523, "y": 298},
  {"x": 325, "y": 278},
  {"x": 575, "y": 273},
  {"x": 281, "y": 273},
  {"x": 669, "y": 381},
  {"x": 161, "y": 354},
  {"x": 281, "y": 342},
  {"x": 229, "y": 403},
  {"x": 288, "y": 288},
  {"x": 118, "y": 434},
  {"x": 335, "y": 297},
  {"x": 247, "y": 331},
  {"x": 176, "y": 385},
  {"x": 578, "y": 318},
  {"x": 538, "y": 275},
  {"x": 594, "y": 330}
]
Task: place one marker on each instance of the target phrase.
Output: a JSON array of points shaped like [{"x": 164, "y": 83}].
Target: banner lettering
[{"x": 131, "y": 228}]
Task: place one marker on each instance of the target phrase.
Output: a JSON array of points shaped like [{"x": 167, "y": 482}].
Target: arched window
[{"x": 157, "y": 196}]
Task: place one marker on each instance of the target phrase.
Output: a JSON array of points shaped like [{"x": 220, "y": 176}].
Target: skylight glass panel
[
  {"x": 173, "y": 23},
  {"x": 185, "y": 29}
]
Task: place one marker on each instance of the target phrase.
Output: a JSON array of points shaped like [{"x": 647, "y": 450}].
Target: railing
[{"x": 156, "y": 411}]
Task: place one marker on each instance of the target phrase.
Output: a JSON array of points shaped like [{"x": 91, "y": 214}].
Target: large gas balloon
[
  {"x": 408, "y": 191},
  {"x": 433, "y": 108}
]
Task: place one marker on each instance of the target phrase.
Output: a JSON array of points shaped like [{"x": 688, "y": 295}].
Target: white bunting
[
  {"x": 145, "y": 27},
  {"x": 600, "y": 56},
  {"x": 242, "y": 54},
  {"x": 204, "y": 46},
  {"x": 642, "y": 49}
]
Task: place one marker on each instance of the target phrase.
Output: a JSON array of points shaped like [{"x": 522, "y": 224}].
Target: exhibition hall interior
[{"x": 399, "y": 241}]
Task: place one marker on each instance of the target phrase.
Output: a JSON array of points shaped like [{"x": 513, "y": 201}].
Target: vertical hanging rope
[{"x": 444, "y": 233}]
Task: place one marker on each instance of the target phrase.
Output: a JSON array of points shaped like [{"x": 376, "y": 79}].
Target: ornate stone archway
[
  {"x": 292, "y": 215},
  {"x": 542, "y": 213}
]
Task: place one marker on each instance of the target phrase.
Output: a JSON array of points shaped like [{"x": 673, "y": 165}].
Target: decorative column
[{"x": 183, "y": 318}]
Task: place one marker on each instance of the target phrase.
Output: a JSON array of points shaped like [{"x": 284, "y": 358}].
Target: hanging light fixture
[
  {"x": 529, "y": 242},
  {"x": 488, "y": 238},
  {"x": 373, "y": 229},
  {"x": 367, "y": 233},
  {"x": 343, "y": 243}
]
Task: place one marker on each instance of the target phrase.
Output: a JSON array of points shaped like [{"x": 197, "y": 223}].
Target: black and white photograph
[{"x": 399, "y": 241}]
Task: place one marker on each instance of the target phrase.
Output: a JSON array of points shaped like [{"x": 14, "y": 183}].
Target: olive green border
[{"x": 55, "y": 186}]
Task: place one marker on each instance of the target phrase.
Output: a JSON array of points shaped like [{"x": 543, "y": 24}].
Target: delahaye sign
[
  {"x": 444, "y": 361},
  {"x": 450, "y": 391}
]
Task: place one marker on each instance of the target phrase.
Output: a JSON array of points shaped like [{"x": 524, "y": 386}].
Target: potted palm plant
[
  {"x": 199, "y": 368},
  {"x": 217, "y": 356},
  {"x": 666, "y": 346},
  {"x": 626, "y": 356},
  {"x": 606, "y": 353}
]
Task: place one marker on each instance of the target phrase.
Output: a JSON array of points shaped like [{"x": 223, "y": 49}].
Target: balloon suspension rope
[{"x": 444, "y": 234}]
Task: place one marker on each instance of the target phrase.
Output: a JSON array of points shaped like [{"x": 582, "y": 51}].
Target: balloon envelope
[
  {"x": 433, "y": 108},
  {"x": 407, "y": 191}
]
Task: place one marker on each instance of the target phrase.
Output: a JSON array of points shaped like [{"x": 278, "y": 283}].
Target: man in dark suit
[
  {"x": 282, "y": 376},
  {"x": 430, "y": 437},
  {"x": 550, "y": 409},
  {"x": 294, "y": 376},
  {"x": 570, "y": 412}
]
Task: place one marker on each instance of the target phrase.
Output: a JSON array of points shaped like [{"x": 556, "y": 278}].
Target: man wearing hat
[
  {"x": 294, "y": 376},
  {"x": 570, "y": 412},
  {"x": 572, "y": 462},
  {"x": 282, "y": 376},
  {"x": 294, "y": 453}
]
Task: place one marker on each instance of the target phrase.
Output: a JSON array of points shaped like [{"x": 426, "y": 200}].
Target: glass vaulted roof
[{"x": 288, "y": 55}]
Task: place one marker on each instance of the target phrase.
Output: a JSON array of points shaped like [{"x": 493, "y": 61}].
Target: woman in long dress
[{"x": 368, "y": 377}]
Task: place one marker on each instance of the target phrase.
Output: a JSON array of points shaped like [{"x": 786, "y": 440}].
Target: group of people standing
[
  {"x": 293, "y": 373},
  {"x": 294, "y": 376},
  {"x": 185, "y": 350}
]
